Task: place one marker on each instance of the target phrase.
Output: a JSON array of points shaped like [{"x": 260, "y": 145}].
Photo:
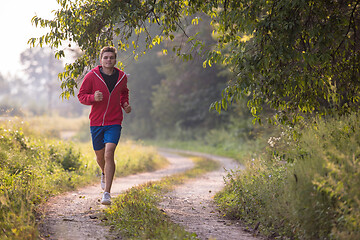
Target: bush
[
  {"x": 67, "y": 158},
  {"x": 249, "y": 194},
  {"x": 339, "y": 146},
  {"x": 28, "y": 176},
  {"x": 33, "y": 168},
  {"x": 305, "y": 187}
]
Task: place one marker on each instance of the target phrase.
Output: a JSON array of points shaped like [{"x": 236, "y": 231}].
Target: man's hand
[
  {"x": 98, "y": 96},
  {"x": 127, "y": 107}
]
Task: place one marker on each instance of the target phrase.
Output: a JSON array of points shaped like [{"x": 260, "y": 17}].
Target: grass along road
[
  {"x": 74, "y": 215},
  {"x": 192, "y": 206}
]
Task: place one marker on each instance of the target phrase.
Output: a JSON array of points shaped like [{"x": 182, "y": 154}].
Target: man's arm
[
  {"x": 127, "y": 107},
  {"x": 124, "y": 96},
  {"x": 86, "y": 95}
]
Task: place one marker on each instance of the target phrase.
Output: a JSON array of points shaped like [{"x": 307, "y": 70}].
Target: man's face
[{"x": 108, "y": 60}]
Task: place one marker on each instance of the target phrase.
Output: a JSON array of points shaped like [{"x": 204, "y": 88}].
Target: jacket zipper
[{"x": 107, "y": 106}]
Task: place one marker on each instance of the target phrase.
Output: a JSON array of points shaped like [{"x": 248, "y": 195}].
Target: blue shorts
[{"x": 104, "y": 134}]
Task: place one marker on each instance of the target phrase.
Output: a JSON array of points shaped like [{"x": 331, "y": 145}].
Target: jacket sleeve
[
  {"x": 124, "y": 94},
  {"x": 86, "y": 94}
]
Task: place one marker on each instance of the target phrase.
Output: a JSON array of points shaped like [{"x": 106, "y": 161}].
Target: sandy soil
[{"x": 74, "y": 215}]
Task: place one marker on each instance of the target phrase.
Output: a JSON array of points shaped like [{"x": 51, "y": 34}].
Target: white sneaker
[
  {"x": 106, "y": 199},
  {"x": 102, "y": 183}
]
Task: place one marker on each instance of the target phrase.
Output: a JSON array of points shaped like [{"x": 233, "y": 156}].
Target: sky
[{"x": 16, "y": 29}]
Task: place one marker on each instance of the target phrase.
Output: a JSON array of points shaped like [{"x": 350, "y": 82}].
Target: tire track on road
[
  {"x": 192, "y": 205},
  {"x": 73, "y": 215}
]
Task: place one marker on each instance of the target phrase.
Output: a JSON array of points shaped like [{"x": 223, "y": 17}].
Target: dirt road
[{"x": 74, "y": 214}]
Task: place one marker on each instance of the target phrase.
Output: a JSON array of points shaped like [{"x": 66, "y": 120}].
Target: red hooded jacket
[{"x": 109, "y": 110}]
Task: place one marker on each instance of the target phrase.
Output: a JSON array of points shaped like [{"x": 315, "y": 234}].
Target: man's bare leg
[
  {"x": 100, "y": 158},
  {"x": 109, "y": 165}
]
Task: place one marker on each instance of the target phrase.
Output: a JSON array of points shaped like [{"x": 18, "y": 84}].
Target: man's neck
[{"x": 108, "y": 71}]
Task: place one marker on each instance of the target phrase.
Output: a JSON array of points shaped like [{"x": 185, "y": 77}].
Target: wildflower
[{"x": 271, "y": 142}]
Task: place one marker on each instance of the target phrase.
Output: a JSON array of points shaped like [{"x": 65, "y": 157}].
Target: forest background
[{"x": 171, "y": 98}]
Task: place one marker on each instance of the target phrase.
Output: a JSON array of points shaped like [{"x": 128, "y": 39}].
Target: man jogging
[{"x": 105, "y": 89}]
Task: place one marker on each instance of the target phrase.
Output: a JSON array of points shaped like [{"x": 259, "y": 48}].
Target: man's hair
[{"x": 108, "y": 49}]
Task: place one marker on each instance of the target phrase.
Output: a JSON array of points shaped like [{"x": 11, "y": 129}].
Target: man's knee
[
  {"x": 110, "y": 151},
  {"x": 110, "y": 147},
  {"x": 100, "y": 154}
]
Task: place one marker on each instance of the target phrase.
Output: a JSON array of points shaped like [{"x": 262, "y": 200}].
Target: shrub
[
  {"x": 28, "y": 176},
  {"x": 339, "y": 146},
  {"x": 66, "y": 157},
  {"x": 33, "y": 168},
  {"x": 313, "y": 189},
  {"x": 249, "y": 193}
]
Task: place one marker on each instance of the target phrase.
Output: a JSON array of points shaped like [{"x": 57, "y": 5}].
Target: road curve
[{"x": 73, "y": 215}]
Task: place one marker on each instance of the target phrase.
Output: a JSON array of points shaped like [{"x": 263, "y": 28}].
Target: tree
[
  {"x": 9, "y": 106},
  {"x": 185, "y": 94},
  {"x": 41, "y": 70},
  {"x": 299, "y": 57},
  {"x": 142, "y": 80},
  {"x": 187, "y": 89},
  {"x": 4, "y": 86}
]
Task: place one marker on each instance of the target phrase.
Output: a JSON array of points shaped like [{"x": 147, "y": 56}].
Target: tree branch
[{"x": 349, "y": 26}]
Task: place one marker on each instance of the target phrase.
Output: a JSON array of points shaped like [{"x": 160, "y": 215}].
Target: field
[{"x": 37, "y": 164}]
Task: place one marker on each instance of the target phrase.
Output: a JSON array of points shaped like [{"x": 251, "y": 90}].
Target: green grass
[
  {"x": 32, "y": 170},
  {"x": 35, "y": 166},
  {"x": 51, "y": 127},
  {"x": 240, "y": 151},
  {"x": 135, "y": 215},
  {"x": 130, "y": 157},
  {"x": 303, "y": 188}
]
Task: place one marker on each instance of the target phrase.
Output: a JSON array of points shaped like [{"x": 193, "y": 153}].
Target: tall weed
[
  {"x": 33, "y": 168},
  {"x": 339, "y": 146},
  {"x": 304, "y": 187},
  {"x": 135, "y": 213},
  {"x": 28, "y": 176},
  {"x": 248, "y": 194},
  {"x": 134, "y": 158}
]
